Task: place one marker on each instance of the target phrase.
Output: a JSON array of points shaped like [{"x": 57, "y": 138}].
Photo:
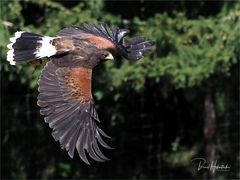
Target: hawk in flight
[{"x": 65, "y": 96}]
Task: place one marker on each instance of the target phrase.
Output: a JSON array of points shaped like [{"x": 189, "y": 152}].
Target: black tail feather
[{"x": 25, "y": 47}]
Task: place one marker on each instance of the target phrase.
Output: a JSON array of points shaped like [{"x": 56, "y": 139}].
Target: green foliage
[{"x": 189, "y": 52}]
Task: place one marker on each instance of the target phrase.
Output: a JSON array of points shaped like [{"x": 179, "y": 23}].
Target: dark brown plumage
[{"x": 65, "y": 95}]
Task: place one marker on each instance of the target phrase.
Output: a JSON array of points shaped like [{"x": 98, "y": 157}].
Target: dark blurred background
[{"x": 179, "y": 103}]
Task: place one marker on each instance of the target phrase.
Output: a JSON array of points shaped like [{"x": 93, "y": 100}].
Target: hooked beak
[{"x": 109, "y": 57}]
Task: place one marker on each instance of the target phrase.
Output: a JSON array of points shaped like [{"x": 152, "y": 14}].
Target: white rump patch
[{"x": 46, "y": 49}]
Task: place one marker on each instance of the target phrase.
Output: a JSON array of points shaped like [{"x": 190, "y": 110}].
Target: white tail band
[{"x": 10, "y": 53}]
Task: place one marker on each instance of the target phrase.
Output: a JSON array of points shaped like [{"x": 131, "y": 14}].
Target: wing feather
[
  {"x": 72, "y": 116},
  {"x": 132, "y": 49}
]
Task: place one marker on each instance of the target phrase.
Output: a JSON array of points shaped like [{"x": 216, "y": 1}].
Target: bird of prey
[{"x": 65, "y": 96}]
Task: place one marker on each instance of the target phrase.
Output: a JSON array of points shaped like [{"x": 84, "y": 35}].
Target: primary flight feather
[{"x": 65, "y": 96}]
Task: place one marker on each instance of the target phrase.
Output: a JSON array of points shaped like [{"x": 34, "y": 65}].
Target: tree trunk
[
  {"x": 152, "y": 132},
  {"x": 209, "y": 130}
]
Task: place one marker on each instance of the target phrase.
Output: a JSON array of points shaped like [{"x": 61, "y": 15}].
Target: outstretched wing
[
  {"x": 66, "y": 102},
  {"x": 113, "y": 39}
]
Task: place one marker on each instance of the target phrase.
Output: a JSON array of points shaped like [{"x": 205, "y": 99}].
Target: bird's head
[{"x": 99, "y": 57}]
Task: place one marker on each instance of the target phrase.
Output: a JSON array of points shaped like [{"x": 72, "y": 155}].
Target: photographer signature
[{"x": 213, "y": 166}]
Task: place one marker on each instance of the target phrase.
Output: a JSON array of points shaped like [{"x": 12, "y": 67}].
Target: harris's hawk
[{"x": 65, "y": 96}]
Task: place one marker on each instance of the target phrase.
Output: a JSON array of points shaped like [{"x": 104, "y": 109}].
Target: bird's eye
[{"x": 104, "y": 56}]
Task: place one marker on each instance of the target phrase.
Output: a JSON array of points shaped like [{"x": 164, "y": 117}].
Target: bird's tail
[{"x": 26, "y": 47}]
